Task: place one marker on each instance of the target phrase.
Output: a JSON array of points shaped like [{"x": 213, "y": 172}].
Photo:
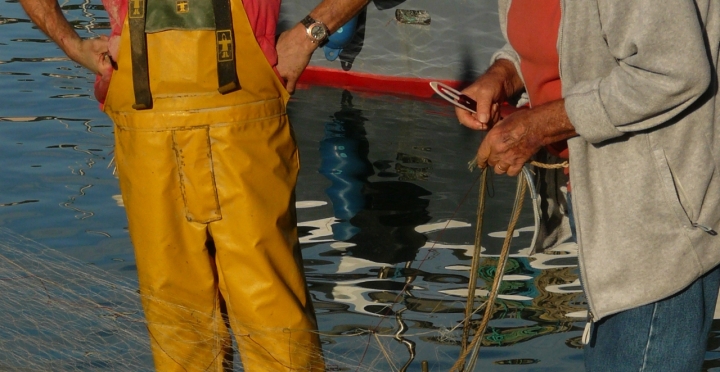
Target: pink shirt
[
  {"x": 533, "y": 31},
  {"x": 263, "y": 16}
]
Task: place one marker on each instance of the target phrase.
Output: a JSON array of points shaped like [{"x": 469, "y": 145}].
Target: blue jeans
[{"x": 667, "y": 335}]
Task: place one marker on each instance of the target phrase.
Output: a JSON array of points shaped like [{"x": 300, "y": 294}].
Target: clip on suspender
[
  {"x": 138, "y": 52},
  {"x": 227, "y": 74}
]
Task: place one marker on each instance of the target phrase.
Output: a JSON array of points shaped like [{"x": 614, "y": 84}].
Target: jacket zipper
[
  {"x": 559, "y": 38},
  {"x": 587, "y": 332},
  {"x": 705, "y": 228}
]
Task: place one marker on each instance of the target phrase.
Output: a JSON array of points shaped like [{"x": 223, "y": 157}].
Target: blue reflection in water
[
  {"x": 344, "y": 151},
  {"x": 378, "y": 217},
  {"x": 396, "y": 173}
]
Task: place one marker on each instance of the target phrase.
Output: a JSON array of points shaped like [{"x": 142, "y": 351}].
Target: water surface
[{"x": 386, "y": 209}]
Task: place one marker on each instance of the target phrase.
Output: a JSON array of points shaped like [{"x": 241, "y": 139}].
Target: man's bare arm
[
  {"x": 295, "y": 48},
  {"x": 335, "y": 13},
  {"x": 90, "y": 53}
]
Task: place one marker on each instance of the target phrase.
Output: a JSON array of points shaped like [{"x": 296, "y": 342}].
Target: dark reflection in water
[
  {"x": 377, "y": 268},
  {"x": 517, "y": 361},
  {"x": 7, "y": 20},
  {"x": 387, "y": 223},
  {"x": 393, "y": 170},
  {"x": 378, "y": 217},
  {"x": 379, "y": 210},
  {"x": 344, "y": 162},
  {"x": 18, "y": 203},
  {"x": 31, "y": 119}
]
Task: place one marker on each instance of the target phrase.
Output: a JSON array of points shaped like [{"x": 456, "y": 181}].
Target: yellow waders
[{"x": 208, "y": 182}]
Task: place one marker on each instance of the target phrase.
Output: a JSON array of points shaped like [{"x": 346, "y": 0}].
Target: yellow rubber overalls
[{"x": 208, "y": 182}]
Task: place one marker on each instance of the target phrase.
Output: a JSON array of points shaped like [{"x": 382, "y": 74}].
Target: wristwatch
[{"x": 316, "y": 30}]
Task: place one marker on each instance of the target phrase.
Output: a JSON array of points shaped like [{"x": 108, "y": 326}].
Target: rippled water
[
  {"x": 384, "y": 199},
  {"x": 396, "y": 169}
]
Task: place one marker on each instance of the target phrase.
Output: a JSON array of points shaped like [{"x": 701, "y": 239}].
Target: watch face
[{"x": 318, "y": 32}]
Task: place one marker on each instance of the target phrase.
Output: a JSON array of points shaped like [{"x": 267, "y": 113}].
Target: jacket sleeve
[
  {"x": 662, "y": 67},
  {"x": 507, "y": 52}
]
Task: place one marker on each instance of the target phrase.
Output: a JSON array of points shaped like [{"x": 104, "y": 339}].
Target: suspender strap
[
  {"x": 138, "y": 52},
  {"x": 227, "y": 74},
  {"x": 225, "y": 40}
]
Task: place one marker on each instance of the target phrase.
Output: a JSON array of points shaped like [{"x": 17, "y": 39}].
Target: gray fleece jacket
[{"x": 640, "y": 82}]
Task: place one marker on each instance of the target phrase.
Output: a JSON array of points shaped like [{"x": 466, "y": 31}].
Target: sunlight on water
[{"x": 386, "y": 210}]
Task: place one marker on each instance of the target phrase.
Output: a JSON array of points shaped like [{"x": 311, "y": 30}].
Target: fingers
[
  {"x": 494, "y": 114},
  {"x": 106, "y": 65},
  {"x": 290, "y": 85},
  {"x": 483, "y": 154},
  {"x": 487, "y": 92},
  {"x": 469, "y": 120},
  {"x": 493, "y": 152},
  {"x": 289, "y": 75},
  {"x": 486, "y": 109},
  {"x": 514, "y": 170},
  {"x": 510, "y": 170},
  {"x": 92, "y": 54},
  {"x": 485, "y": 106},
  {"x": 294, "y": 52}
]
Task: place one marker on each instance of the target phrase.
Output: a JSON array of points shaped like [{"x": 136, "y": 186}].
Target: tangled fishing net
[{"x": 60, "y": 314}]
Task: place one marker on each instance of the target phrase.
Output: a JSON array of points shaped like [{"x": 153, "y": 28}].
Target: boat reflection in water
[{"x": 373, "y": 258}]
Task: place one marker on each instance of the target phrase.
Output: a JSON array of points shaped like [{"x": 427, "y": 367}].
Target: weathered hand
[
  {"x": 515, "y": 139},
  {"x": 489, "y": 91},
  {"x": 509, "y": 144},
  {"x": 90, "y": 53},
  {"x": 93, "y": 54},
  {"x": 294, "y": 51}
]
